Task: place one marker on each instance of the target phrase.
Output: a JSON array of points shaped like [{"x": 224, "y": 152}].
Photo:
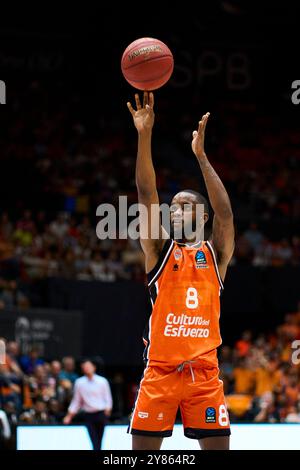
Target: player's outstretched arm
[
  {"x": 223, "y": 226},
  {"x": 151, "y": 239}
]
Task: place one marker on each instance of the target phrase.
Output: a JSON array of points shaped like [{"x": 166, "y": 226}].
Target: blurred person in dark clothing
[
  {"x": 38, "y": 414},
  {"x": 56, "y": 414},
  {"x": 29, "y": 361},
  {"x": 41, "y": 385},
  {"x": 55, "y": 370}
]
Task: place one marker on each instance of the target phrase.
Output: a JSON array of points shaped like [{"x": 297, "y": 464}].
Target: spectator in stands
[
  {"x": 13, "y": 351},
  {"x": 41, "y": 385},
  {"x": 243, "y": 345},
  {"x": 68, "y": 370},
  {"x": 254, "y": 236},
  {"x": 60, "y": 226},
  {"x": 55, "y": 411},
  {"x": 38, "y": 414},
  {"x": 267, "y": 376},
  {"x": 29, "y": 361},
  {"x": 6, "y": 227},
  {"x": 268, "y": 410}
]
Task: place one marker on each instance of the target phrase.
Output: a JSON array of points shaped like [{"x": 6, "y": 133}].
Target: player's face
[
  {"x": 183, "y": 210},
  {"x": 183, "y": 216}
]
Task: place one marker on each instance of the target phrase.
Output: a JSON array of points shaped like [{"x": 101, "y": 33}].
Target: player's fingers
[
  {"x": 195, "y": 133},
  {"x": 200, "y": 126},
  {"x": 130, "y": 108},
  {"x": 151, "y": 100},
  {"x": 137, "y": 101},
  {"x": 205, "y": 120},
  {"x": 145, "y": 99},
  {"x": 202, "y": 123}
]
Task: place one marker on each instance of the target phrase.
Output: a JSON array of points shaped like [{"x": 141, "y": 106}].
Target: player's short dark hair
[{"x": 200, "y": 199}]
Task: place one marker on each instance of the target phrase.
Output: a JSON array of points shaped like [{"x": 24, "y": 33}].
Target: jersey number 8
[{"x": 191, "y": 300}]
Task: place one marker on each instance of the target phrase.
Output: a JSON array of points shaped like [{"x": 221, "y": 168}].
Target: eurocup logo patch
[
  {"x": 200, "y": 259},
  {"x": 210, "y": 415}
]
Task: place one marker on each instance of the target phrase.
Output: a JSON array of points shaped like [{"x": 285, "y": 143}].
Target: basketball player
[{"x": 185, "y": 279}]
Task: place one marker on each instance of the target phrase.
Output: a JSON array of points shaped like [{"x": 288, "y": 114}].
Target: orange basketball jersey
[{"x": 185, "y": 288}]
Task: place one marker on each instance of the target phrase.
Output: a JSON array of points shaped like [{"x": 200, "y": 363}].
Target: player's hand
[
  {"x": 143, "y": 116},
  {"x": 198, "y": 137}
]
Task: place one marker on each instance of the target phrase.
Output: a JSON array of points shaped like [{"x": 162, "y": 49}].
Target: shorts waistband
[{"x": 181, "y": 366}]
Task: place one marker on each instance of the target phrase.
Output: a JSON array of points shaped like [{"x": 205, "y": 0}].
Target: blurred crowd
[
  {"x": 35, "y": 248},
  {"x": 261, "y": 380},
  {"x": 36, "y": 391},
  {"x": 65, "y": 159},
  {"x": 262, "y": 376}
]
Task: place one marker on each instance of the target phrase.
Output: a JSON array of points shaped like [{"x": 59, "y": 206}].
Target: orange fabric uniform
[{"x": 181, "y": 342}]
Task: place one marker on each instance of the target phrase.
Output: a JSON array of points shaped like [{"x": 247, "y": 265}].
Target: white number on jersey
[
  {"x": 223, "y": 416},
  {"x": 191, "y": 300}
]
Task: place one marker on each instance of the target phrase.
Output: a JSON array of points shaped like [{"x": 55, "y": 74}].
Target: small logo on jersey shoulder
[
  {"x": 210, "y": 415},
  {"x": 177, "y": 254},
  {"x": 143, "y": 414},
  {"x": 200, "y": 258},
  {"x": 175, "y": 267},
  {"x": 160, "y": 416}
]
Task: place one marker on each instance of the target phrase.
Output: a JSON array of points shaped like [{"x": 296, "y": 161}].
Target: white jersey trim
[
  {"x": 215, "y": 263},
  {"x": 156, "y": 276}
]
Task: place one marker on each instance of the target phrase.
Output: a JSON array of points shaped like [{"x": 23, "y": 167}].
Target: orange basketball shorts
[{"x": 198, "y": 393}]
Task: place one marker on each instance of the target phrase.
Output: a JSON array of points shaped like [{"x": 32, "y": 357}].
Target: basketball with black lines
[{"x": 147, "y": 64}]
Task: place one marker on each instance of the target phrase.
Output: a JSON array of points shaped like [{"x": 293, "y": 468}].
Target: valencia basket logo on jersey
[{"x": 200, "y": 259}]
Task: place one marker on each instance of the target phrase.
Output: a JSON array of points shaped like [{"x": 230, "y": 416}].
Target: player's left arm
[{"x": 223, "y": 226}]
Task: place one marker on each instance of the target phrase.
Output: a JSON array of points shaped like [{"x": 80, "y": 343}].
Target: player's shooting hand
[
  {"x": 143, "y": 116},
  {"x": 198, "y": 137}
]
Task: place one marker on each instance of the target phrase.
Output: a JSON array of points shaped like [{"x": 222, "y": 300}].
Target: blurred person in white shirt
[{"x": 92, "y": 395}]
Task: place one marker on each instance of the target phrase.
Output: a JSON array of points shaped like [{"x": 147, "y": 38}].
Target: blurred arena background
[{"x": 67, "y": 145}]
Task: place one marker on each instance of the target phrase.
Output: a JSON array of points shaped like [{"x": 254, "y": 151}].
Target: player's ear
[{"x": 206, "y": 217}]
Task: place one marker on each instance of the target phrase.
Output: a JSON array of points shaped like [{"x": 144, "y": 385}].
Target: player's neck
[{"x": 191, "y": 243}]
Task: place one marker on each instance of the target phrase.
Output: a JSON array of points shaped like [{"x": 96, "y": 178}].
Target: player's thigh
[
  {"x": 146, "y": 443},
  {"x": 215, "y": 443},
  {"x": 203, "y": 409},
  {"x": 156, "y": 405}
]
